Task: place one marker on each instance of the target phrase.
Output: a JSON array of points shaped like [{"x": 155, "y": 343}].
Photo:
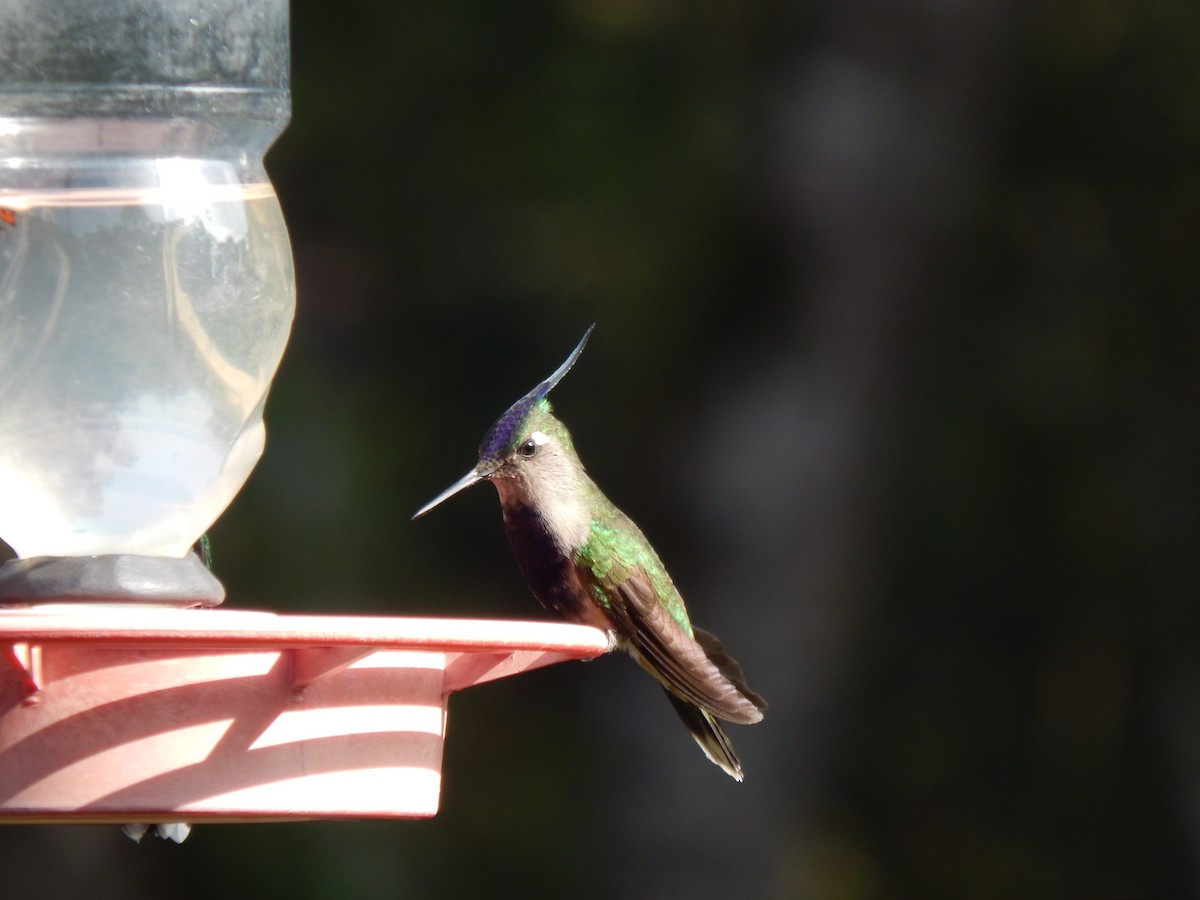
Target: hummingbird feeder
[{"x": 146, "y": 295}]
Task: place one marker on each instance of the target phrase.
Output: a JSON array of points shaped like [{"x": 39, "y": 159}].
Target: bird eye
[{"x": 528, "y": 448}]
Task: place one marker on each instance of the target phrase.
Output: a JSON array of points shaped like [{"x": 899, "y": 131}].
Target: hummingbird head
[{"x": 527, "y": 453}]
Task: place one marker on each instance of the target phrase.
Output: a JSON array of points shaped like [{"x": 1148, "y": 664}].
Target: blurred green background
[{"x": 895, "y": 361}]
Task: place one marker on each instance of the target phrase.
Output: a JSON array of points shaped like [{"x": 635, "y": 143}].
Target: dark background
[{"x": 895, "y": 361}]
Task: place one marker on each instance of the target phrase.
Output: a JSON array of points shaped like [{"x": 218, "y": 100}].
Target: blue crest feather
[{"x": 503, "y": 435}]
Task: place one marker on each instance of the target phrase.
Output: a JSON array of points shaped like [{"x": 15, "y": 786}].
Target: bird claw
[{"x": 168, "y": 831}]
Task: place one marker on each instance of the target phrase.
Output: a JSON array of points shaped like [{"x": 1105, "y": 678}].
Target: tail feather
[{"x": 709, "y": 734}]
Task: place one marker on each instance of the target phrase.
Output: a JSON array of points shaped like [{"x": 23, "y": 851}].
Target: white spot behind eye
[{"x": 529, "y": 447}]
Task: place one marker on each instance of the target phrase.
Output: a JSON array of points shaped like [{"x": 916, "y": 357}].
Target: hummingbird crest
[
  {"x": 588, "y": 562},
  {"x": 503, "y": 437}
]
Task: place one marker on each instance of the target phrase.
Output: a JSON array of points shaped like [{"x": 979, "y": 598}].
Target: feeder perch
[{"x": 149, "y": 714}]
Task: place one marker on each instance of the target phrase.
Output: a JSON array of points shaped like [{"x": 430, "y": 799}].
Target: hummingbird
[{"x": 587, "y": 562}]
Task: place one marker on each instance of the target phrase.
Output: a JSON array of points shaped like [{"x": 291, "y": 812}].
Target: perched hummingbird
[{"x": 586, "y": 561}]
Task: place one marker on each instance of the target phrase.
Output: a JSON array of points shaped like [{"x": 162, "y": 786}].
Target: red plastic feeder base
[{"x": 162, "y": 715}]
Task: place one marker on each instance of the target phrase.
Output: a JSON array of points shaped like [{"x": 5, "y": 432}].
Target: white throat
[{"x": 554, "y": 488}]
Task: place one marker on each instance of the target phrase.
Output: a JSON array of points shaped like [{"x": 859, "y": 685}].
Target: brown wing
[
  {"x": 682, "y": 663},
  {"x": 729, "y": 667}
]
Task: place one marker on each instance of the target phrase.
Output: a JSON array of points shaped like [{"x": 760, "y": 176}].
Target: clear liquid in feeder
[{"x": 139, "y": 331}]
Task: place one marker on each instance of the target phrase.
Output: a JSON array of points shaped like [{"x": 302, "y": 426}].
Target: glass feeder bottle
[{"x": 146, "y": 284}]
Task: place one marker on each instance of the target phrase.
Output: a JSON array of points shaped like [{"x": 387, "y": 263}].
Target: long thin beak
[{"x": 461, "y": 485}]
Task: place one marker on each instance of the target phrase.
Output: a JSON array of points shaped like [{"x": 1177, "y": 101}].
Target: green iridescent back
[{"x": 616, "y": 546}]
